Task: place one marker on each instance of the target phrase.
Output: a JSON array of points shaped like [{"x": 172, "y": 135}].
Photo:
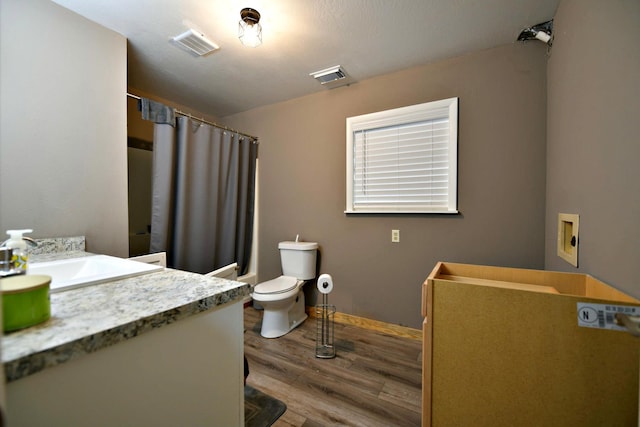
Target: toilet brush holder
[{"x": 325, "y": 348}]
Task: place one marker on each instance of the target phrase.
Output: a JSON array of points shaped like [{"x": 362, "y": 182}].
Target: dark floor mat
[{"x": 261, "y": 410}]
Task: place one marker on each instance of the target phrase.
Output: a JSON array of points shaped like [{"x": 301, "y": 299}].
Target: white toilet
[{"x": 282, "y": 298}]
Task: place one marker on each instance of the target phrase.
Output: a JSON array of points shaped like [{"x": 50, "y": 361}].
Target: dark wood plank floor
[{"x": 374, "y": 380}]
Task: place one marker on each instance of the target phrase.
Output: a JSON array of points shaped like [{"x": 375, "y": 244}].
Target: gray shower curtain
[{"x": 203, "y": 196}]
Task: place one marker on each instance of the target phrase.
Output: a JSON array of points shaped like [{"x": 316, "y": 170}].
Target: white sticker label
[{"x": 602, "y": 316}]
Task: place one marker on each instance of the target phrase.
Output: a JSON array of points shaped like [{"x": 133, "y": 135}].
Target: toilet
[{"x": 282, "y": 298}]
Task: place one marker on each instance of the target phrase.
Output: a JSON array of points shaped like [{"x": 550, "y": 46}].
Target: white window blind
[{"x": 403, "y": 160}]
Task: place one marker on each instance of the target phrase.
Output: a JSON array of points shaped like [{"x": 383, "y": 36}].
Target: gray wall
[
  {"x": 73, "y": 177},
  {"x": 501, "y": 188},
  {"x": 63, "y": 165},
  {"x": 594, "y": 138}
]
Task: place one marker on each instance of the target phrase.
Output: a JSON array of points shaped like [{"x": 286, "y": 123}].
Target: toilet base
[{"x": 279, "y": 322}]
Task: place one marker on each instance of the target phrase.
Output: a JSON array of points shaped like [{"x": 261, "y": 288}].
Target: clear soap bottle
[{"x": 16, "y": 243}]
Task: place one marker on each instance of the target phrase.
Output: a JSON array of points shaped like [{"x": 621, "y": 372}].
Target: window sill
[{"x": 402, "y": 212}]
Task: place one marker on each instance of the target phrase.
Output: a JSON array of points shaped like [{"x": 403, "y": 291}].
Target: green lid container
[{"x": 25, "y": 301}]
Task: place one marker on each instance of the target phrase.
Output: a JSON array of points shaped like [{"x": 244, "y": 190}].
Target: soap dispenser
[{"x": 18, "y": 246}]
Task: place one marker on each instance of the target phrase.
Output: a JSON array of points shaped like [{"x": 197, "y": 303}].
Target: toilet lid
[{"x": 276, "y": 286}]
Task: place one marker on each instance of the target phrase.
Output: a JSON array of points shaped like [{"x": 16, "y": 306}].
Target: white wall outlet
[
  {"x": 395, "y": 236},
  {"x": 568, "y": 237}
]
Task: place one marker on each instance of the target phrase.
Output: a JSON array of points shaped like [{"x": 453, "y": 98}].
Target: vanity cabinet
[
  {"x": 188, "y": 373},
  {"x": 161, "y": 349},
  {"x": 503, "y": 347}
]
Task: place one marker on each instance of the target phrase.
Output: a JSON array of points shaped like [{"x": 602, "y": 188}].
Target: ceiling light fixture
[
  {"x": 542, "y": 32},
  {"x": 249, "y": 29}
]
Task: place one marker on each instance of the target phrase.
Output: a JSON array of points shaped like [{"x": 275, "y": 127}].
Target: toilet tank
[{"x": 298, "y": 259}]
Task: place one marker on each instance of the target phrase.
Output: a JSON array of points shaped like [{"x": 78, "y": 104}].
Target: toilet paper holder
[{"x": 325, "y": 313}]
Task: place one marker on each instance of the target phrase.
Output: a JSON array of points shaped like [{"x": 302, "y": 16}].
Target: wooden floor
[{"x": 374, "y": 380}]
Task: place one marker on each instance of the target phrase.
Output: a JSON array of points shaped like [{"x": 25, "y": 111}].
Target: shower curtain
[{"x": 203, "y": 196}]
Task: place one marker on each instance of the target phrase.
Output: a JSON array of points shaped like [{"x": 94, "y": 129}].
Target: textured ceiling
[{"x": 366, "y": 37}]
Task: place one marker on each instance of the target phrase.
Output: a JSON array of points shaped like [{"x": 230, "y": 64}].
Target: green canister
[{"x": 25, "y": 301}]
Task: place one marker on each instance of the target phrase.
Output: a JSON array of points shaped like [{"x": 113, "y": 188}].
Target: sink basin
[{"x": 90, "y": 270}]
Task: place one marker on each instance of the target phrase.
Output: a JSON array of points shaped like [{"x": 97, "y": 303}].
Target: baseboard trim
[{"x": 375, "y": 325}]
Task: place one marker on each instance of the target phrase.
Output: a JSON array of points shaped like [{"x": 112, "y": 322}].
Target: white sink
[{"x": 90, "y": 270}]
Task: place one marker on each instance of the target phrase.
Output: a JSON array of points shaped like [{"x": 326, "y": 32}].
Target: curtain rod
[{"x": 130, "y": 95}]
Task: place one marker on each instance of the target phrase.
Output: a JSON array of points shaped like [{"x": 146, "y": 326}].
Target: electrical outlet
[{"x": 395, "y": 236}]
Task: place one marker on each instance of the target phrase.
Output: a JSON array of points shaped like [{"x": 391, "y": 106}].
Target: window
[{"x": 404, "y": 160}]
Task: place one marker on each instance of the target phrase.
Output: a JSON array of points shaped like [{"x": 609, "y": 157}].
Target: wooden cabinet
[{"x": 503, "y": 347}]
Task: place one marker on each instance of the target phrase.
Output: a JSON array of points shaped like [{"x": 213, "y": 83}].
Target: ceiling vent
[
  {"x": 329, "y": 75},
  {"x": 195, "y": 42}
]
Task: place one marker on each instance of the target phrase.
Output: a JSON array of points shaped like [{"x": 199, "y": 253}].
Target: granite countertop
[{"x": 87, "y": 319}]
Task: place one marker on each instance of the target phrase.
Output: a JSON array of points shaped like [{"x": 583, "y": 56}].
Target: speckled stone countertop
[{"x": 87, "y": 319}]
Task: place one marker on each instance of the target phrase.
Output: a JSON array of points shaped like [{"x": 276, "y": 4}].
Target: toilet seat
[{"x": 279, "y": 285}]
